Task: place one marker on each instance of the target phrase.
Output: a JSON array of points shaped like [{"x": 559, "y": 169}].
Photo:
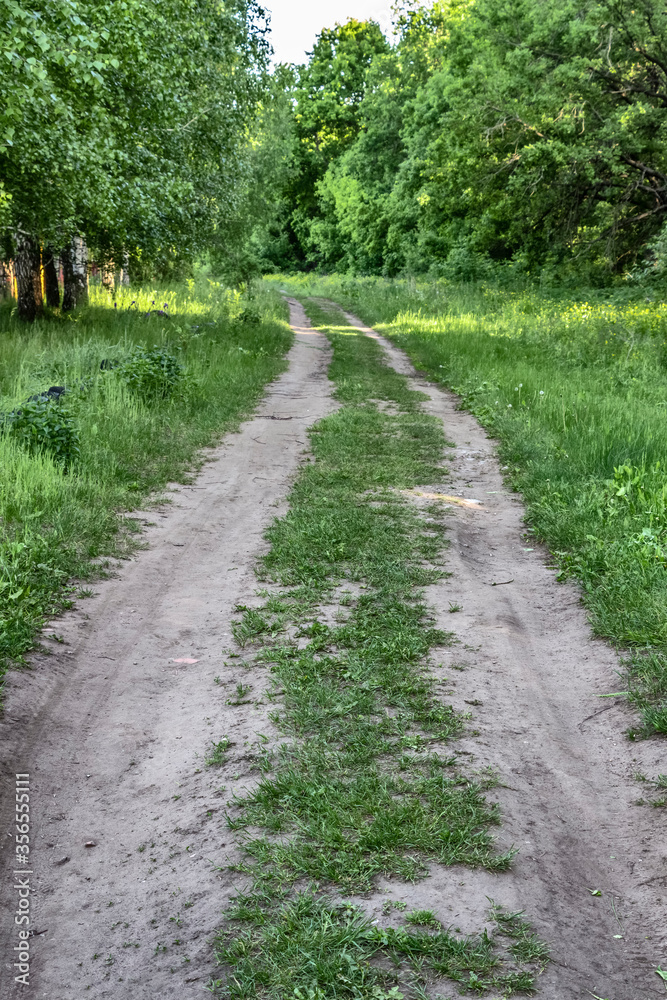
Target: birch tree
[{"x": 124, "y": 124}]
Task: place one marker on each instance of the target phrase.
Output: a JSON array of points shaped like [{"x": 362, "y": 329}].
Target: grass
[
  {"x": 364, "y": 784},
  {"x": 576, "y": 393},
  {"x": 56, "y": 519}
]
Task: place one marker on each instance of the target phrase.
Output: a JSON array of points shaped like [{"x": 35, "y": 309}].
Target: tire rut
[
  {"x": 113, "y": 729},
  {"x": 532, "y": 679}
]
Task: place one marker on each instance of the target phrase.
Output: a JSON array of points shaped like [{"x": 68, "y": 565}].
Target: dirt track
[
  {"x": 112, "y": 730},
  {"x": 113, "y": 733}
]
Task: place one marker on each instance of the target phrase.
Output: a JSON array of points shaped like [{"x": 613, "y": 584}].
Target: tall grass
[
  {"x": 54, "y": 519},
  {"x": 576, "y": 392}
]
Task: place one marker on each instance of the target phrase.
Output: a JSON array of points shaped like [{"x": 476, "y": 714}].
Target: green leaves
[
  {"x": 152, "y": 374},
  {"x": 44, "y": 425},
  {"x": 126, "y": 122},
  {"x": 491, "y": 132}
]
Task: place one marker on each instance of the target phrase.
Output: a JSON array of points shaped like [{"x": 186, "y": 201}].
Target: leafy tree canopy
[
  {"x": 501, "y": 130},
  {"x": 126, "y": 122}
]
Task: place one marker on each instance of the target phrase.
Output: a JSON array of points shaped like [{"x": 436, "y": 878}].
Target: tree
[
  {"x": 125, "y": 123},
  {"x": 504, "y": 130},
  {"x": 328, "y": 96}
]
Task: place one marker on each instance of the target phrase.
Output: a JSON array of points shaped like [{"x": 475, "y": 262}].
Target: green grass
[
  {"x": 55, "y": 519},
  {"x": 364, "y": 784},
  {"x": 576, "y": 393}
]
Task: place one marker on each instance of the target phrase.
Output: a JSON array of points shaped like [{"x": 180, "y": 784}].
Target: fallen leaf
[
  {"x": 661, "y": 972},
  {"x": 63, "y": 861},
  {"x": 595, "y": 892},
  {"x": 90, "y": 843},
  {"x": 185, "y": 659}
]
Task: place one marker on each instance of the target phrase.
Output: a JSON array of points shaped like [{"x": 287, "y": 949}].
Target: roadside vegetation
[
  {"x": 180, "y": 365},
  {"x": 575, "y": 390},
  {"x": 365, "y": 784}
]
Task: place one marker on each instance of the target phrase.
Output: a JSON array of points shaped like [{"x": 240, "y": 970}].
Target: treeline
[
  {"x": 124, "y": 136},
  {"x": 489, "y": 133}
]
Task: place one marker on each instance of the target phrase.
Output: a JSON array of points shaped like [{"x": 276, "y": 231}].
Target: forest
[
  {"x": 486, "y": 139},
  {"x": 490, "y": 138}
]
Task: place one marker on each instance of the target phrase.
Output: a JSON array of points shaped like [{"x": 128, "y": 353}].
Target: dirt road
[{"x": 113, "y": 731}]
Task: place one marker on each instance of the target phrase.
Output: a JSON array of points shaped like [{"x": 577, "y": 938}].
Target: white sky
[{"x": 295, "y": 23}]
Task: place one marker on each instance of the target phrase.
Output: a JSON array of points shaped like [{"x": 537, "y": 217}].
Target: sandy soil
[
  {"x": 530, "y": 674},
  {"x": 114, "y": 732}
]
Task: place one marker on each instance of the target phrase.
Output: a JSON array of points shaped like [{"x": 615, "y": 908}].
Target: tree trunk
[
  {"x": 28, "y": 277},
  {"x": 75, "y": 274},
  {"x": 125, "y": 269},
  {"x": 108, "y": 273},
  {"x": 51, "y": 286},
  {"x": 5, "y": 280}
]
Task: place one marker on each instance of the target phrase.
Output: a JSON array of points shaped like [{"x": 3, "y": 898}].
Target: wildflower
[
  {"x": 516, "y": 388},
  {"x": 541, "y": 392},
  {"x": 509, "y": 406}
]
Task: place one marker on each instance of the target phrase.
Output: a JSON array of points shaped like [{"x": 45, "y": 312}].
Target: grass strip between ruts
[{"x": 363, "y": 786}]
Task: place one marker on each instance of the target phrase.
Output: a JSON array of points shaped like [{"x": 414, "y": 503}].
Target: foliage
[
  {"x": 151, "y": 373},
  {"x": 327, "y": 98},
  {"x": 491, "y": 133},
  {"x": 255, "y": 238},
  {"x": 126, "y": 122},
  {"x": 44, "y": 425}
]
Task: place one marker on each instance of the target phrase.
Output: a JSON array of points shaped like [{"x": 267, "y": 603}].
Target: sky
[{"x": 295, "y": 23}]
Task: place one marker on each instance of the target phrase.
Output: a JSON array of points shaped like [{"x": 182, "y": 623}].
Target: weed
[
  {"x": 151, "y": 373},
  {"x": 241, "y": 692},
  {"x": 311, "y": 949},
  {"x": 217, "y": 752},
  {"x": 44, "y": 425},
  {"x": 423, "y": 918}
]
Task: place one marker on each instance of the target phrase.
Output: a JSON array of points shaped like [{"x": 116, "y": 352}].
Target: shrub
[
  {"x": 250, "y": 316},
  {"x": 44, "y": 425},
  {"x": 151, "y": 373}
]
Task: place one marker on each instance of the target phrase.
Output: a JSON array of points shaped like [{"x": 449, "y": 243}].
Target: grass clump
[
  {"x": 575, "y": 390},
  {"x": 170, "y": 385},
  {"x": 217, "y": 752},
  {"x": 313, "y": 949},
  {"x": 363, "y": 784}
]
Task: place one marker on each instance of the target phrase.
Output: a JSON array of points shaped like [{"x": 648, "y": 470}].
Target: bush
[
  {"x": 44, "y": 425},
  {"x": 151, "y": 373}
]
